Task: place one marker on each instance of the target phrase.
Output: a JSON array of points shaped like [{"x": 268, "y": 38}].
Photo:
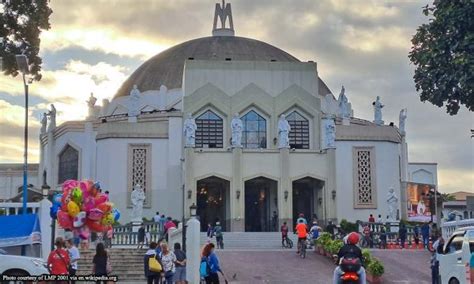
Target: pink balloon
[
  {"x": 70, "y": 184},
  {"x": 95, "y": 214},
  {"x": 101, "y": 198},
  {"x": 64, "y": 220},
  {"x": 88, "y": 204},
  {"x": 84, "y": 189},
  {"x": 84, "y": 233}
]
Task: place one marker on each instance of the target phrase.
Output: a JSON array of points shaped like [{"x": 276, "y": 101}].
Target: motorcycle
[{"x": 350, "y": 266}]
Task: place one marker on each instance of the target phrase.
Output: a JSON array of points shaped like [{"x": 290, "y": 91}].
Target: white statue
[
  {"x": 237, "y": 127},
  {"x": 162, "y": 97},
  {"x": 52, "y": 118},
  {"x": 284, "y": 129},
  {"x": 402, "y": 118},
  {"x": 44, "y": 122},
  {"x": 330, "y": 133},
  {"x": 421, "y": 207},
  {"x": 134, "y": 102},
  {"x": 190, "y": 131},
  {"x": 92, "y": 108},
  {"x": 138, "y": 198},
  {"x": 392, "y": 203},
  {"x": 378, "y": 111},
  {"x": 343, "y": 104}
]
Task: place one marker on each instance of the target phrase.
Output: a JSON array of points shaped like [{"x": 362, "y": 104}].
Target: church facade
[{"x": 243, "y": 130}]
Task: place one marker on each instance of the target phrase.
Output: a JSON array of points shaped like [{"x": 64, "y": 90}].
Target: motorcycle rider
[{"x": 350, "y": 249}]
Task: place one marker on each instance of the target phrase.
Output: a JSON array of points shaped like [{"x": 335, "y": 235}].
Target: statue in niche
[
  {"x": 284, "y": 129},
  {"x": 237, "y": 128},
  {"x": 137, "y": 198},
  {"x": 190, "y": 131}
]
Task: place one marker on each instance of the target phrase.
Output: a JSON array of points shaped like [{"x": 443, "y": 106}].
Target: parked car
[
  {"x": 16, "y": 265},
  {"x": 454, "y": 259}
]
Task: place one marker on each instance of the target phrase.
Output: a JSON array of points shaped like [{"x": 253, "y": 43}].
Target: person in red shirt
[
  {"x": 284, "y": 234},
  {"x": 58, "y": 259},
  {"x": 302, "y": 232},
  {"x": 371, "y": 219}
]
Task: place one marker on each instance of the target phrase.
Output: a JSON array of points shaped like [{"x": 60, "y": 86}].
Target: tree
[
  {"x": 21, "y": 23},
  {"x": 443, "y": 53}
]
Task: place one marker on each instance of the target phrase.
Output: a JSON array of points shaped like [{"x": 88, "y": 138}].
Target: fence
[
  {"x": 448, "y": 228},
  {"x": 391, "y": 231},
  {"x": 125, "y": 235}
]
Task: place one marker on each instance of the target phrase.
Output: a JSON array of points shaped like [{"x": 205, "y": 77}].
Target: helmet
[{"x": 352, "y": 238}]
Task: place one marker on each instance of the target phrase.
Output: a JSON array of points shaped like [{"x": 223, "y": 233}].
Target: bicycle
[
  {"x": 287, "y": 242},
  {"x": 302, "y": 248}
]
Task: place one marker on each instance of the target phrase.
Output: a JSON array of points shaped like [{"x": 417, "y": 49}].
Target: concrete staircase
[
  {"x": 127, "y": 263},
  {"x": 251, "y": 240}
]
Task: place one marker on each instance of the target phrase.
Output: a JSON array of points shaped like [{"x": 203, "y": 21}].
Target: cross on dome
[{"x": 223, "y": 12}]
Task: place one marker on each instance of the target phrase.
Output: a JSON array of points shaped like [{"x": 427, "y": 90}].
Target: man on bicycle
[
  {"x": 284, "y": 234},
  {"x": 302, "y": 231}
]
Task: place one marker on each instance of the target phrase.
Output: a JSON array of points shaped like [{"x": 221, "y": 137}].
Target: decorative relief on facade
[{"x": 364, "y": 178}]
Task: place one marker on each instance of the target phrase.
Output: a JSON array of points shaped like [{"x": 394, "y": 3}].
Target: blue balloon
[
  {"x": 53, "y": 211},
  {"x": 116, "y": 214},
  {"x": 57, "y": 199}
]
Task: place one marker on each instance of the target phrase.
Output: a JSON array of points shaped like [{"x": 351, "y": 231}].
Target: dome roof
[{"x": 166, "y": 68}]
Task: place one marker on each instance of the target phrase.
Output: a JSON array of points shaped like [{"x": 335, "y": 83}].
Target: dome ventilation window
[
  {"x": 273, "y": 60},
  {"x": 190, "y": 58},
  {"x": 228, "y": 59}
]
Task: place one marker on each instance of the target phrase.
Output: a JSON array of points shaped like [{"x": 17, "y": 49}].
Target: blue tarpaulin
[{"x": 18, "y": 230}]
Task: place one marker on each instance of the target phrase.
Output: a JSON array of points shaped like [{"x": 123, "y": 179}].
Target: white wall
[
  {"x": 426, "y": 173},
  {"x": 11, "y": 180},
  {"x": 386, "y": 171},
  {"x": 112, "y": 163}
]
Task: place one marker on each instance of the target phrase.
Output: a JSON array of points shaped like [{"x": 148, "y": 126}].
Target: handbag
[
  {"x": 108, "y": 267},
  {"x": 154, "y": 265}
]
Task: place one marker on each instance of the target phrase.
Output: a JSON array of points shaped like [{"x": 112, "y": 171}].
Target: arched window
[
  {"x": 255, "y": 131},
  {"x": 299, "y": 134},
  {"x": 209, "y": 133},
  {"x": 68, "y": 164}
]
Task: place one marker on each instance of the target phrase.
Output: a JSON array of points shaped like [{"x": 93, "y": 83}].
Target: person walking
[
  {"x": 180, "y": 273},
  {"x": 383, "y": 238},
  {"x": 209, "y": 255},
  {"x": 210, "y": 231},
  {"x": 74, "y": 256},
  {"x": 162, "y": 224},
  {"x": 168, "y": 259},
  {"x": 219, "y": 235},
  {"x": 416, "y": 235},
  {"x": 402, "y": 234},
  {"x": 153, "y": 277},
  {"x": 141, "y": 236},
  {"x": 330, "y": 229},
  {"x": 101, "y": 262},
  {"x": 284, "y": 234},
  {"x": 58, "y": 259},
  {"x": 366, "y": 234},
  {"x": 274, "y": 221},
  {"x": 157, "y": 218},
  {"x": 425, "y": 234}
]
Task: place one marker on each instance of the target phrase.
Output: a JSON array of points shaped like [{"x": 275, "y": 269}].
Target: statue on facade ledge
[
  {"x": 190, "y": 131},
  {"x": 392, "y": 203},
  {"x": 93, "y": 110},
  {"x": 137, "y": 198},
  {"x": 402, "y": 118},
  {"x": 237, "y": 127},
  {"x": 330, "y": 133},
  {"x": 378, "y": 111},
  {"x": 52, "y": 118},
  {"x": 44, "y": 122},
  {"x": 343, "y": 104},
  {"x": 284, "y": 129},
  {"x": 134, "y": 102}
]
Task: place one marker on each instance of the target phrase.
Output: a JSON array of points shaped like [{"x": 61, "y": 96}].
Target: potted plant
[
  {"x": 375, "y": 270},
  {"x": 322, "y": 242}
]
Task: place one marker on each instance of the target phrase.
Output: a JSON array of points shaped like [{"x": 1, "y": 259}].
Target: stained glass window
[
  {"x": 299, "y": 134},
  {"x": 210, "y": 131},
  {"x": 255, "y": 131},
  {"x": 68, "y": 164}
]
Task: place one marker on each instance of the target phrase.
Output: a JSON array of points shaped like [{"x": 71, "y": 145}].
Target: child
[{"x": 141, "y": 236}]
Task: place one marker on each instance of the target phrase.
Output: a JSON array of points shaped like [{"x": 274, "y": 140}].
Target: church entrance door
[
  {"x": 261, "y": 203},
  {"x": 307, "y": 198},
  {"x": 213, "y": 202}
]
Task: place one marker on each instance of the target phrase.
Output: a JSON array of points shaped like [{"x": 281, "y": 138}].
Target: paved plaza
[{"x": 284, "y": 266}]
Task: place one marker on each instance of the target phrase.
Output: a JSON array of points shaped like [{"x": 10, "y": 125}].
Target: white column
[
  {"x": 45, "y": 226},
  {"x": 50, "y": 161},
  {"x": 237, "y": 206},
  {"x": 403, "y": 177},
  {"x": 193, "y": 250},
  {"x": 285, "y": 206}
]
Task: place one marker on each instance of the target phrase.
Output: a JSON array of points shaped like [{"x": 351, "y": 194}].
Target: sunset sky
[{"x": 94, "y": 45}]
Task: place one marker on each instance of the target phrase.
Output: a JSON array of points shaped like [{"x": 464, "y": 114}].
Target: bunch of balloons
[{"x": 82, "y": 208}]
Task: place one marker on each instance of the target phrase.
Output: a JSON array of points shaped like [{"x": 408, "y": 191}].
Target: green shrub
[
  {"x": 367, "y": 258},
  {"x": 335, "y": 246},
  {"x": 376, "y": 267},
  {"x": 323, "y": 239},
  {"x": 348, "y": 227}
]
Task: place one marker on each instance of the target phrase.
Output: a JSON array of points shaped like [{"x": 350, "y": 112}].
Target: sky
[{"x": 94, "y": 45}]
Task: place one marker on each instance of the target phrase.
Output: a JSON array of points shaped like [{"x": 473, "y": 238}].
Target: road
[{"x": 284, "y": 266}]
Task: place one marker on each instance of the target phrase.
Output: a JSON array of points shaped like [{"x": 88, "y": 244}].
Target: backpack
[
  {"x": 204, "y": 268},
  {"x": 154, "y": 265},
  {"x": 218, "y": 231}
]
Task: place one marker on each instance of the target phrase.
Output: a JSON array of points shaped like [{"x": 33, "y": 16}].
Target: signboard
[{"x": 418, "y": 203}]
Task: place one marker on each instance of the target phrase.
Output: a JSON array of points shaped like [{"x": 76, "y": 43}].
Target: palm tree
[{"x": 447, "y": 197}]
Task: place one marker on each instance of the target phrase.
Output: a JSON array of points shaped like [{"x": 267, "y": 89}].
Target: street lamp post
[{"x": 22, "y": 62}]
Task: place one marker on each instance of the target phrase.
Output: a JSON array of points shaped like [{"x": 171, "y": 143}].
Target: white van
[{"x": 454, "y": 261}]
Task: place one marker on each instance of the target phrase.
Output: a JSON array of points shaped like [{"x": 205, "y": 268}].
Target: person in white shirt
[
  {"x": 73, "y": 255},
  {"x": 157, "y": 217}
]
